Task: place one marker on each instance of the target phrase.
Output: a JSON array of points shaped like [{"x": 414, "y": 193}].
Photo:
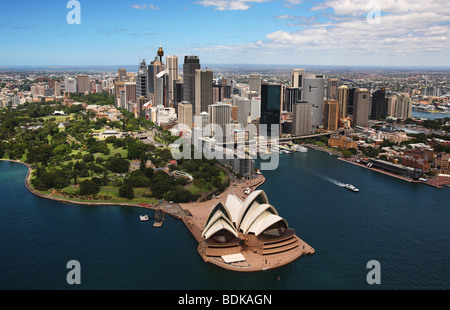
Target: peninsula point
[{"x": 243, "y": 235}]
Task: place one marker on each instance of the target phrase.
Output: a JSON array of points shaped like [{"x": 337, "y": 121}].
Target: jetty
[{"x": 439, "y": 182}]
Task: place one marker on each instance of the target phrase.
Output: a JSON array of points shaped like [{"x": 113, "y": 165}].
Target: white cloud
[
  {"x": 229, "y": 5},
  {"x": 409, "y": 33},
  {"x": 144, "y": 7},
  {"x": 357, "y": 7},
  {"x": 292, "y": 3}
]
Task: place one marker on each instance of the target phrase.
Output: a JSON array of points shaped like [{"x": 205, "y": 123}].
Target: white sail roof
[
  {"x": 254, "y": 215},
  {"x": 265, "y": 222},
  {"x": 253, "y": 200},
  {"x": 234, "y": 206},
  {"x": 253, "y": 197},
  {"x": 218, "y": 215},
  {"x": 217, "y": 226}
]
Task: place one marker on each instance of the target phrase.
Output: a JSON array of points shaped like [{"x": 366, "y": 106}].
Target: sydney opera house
[{"x": 249, "y": 234}]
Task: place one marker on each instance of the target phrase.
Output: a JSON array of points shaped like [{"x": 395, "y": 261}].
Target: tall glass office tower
[{"x": 271, "y": 106}]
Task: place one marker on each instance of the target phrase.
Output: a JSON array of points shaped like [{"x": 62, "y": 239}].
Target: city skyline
[{"x": 329, "y": 32}]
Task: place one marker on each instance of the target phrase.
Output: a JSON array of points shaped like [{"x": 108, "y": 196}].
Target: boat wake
[{"x": 331, "y": 180}]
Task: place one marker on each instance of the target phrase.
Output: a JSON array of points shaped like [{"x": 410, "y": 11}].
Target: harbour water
[
  {"x": 428, "y": 115},
  {"x": 404, "y": 226}
]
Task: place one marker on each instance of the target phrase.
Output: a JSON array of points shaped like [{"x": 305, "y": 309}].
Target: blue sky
[{"x": 327, "y": 32}]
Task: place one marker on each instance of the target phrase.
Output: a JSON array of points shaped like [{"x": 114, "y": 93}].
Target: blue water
[
  {"x": 427, "y": 115},
  {"x": 404, "y": 226}
]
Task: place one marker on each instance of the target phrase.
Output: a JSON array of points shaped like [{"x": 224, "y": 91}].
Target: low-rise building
[
  {"x": 342, "y": 142},
  {"x": 442, "y": 162},
  {"x": 418, "y": 158}
]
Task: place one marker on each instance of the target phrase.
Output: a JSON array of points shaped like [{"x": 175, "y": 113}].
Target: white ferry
[
  {"x": 144, "y": 218},
  {"x": 351, "y": 187},
  {"x": 300, "y": 148}
]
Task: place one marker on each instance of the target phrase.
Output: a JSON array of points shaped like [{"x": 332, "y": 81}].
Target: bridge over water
[{"x": 281, "y": 140}]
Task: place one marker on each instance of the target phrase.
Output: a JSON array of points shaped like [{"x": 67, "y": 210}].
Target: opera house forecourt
[{"x": 249, "y": 235}]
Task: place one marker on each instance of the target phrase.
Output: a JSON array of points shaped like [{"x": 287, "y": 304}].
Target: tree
[
  {"x": 118, "y": 165},
  {"x": 136, "y": 149},
  {"x": 138, "y": 179},
  {"x": 346, "y": 153},
  {"x": 126, "y": 190},
  {"x": 181, "y": 195},
  {"x": 161, "y": 184},
  {"x": 89, "y": 187}
]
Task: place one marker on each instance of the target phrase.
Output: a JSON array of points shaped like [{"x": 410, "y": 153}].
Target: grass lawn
[
  {"x": 113, "y": 192},
  {"x": 123, "y": 153},
  {"x": 59, "y": 118},
  {"x": 193, "y": 188}
]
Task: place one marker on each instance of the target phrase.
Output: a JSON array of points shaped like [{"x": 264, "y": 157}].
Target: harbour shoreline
[
  {"x": 436, "y": 183},
  {"x": 174, "y": 212},
  {"x": 194, "y": 216}
]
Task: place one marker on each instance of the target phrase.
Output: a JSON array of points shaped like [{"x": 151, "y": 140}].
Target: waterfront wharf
[{"x": 437, "y": 182}]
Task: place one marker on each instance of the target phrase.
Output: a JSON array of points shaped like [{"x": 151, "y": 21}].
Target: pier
[{"x": 437, "y": 183}]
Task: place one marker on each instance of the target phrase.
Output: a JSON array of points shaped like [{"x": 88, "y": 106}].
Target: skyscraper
[
  {"x": 220, "y": 115},
  {"x": 122, "y": 73},
  {"x": 83, "y": 83},
  {"x": 297, "y": 78},
  {"x": 217, "y": 92},
  {"x": 130, "y": 91},
  {"x": 161, "y": 89},
  {"x": 227, "y": 90},
  {"x": 271, "y": 106},
  {"x": 392, "y": 104},
  {"x": 361, "y": 103},
  {"x": 255, "y": 83},
  {"x": 343, "y": 93},
  {"x": 255, "y": 108},
  {"x": 379, "y": 104},
  {"x": 403, "y": 108},
  {"x": 185, "y": 115},
  {"x": 351, "y": 96},
  {"x": 172, "y": 67},
  {"x": 292, "y": 95},
  {"x": 203, "y": 90},
  {"x": 57, "y": 89},
  {"x": 244, "y": 111},
  {"x": 71, "y": 85},
  {"x": 314, "y": 92},
  {"x": 141, "y": 80},
  {"x": 191, "y": 63},
  {"x": 118, "y": 87},
  {"x": 330, "y": 115},
  {"x": 332, "y": 88},
  {"x": 301, "y": 118},
  {"x": 153, "y": 70}
]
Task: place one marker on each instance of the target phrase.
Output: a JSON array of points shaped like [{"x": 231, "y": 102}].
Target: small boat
[
  {"x": 144, "y": 218},
  {"x": 301, "y": 149},
  {"x": 351, "y": 187},
  {"x": 158, "y": 224}
]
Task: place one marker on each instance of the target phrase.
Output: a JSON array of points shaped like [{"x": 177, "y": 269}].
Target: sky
[{"x": 285, "y": 32}]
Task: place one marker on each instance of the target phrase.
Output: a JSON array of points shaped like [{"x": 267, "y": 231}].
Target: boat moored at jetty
[{"x": 143, "y": 218}]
